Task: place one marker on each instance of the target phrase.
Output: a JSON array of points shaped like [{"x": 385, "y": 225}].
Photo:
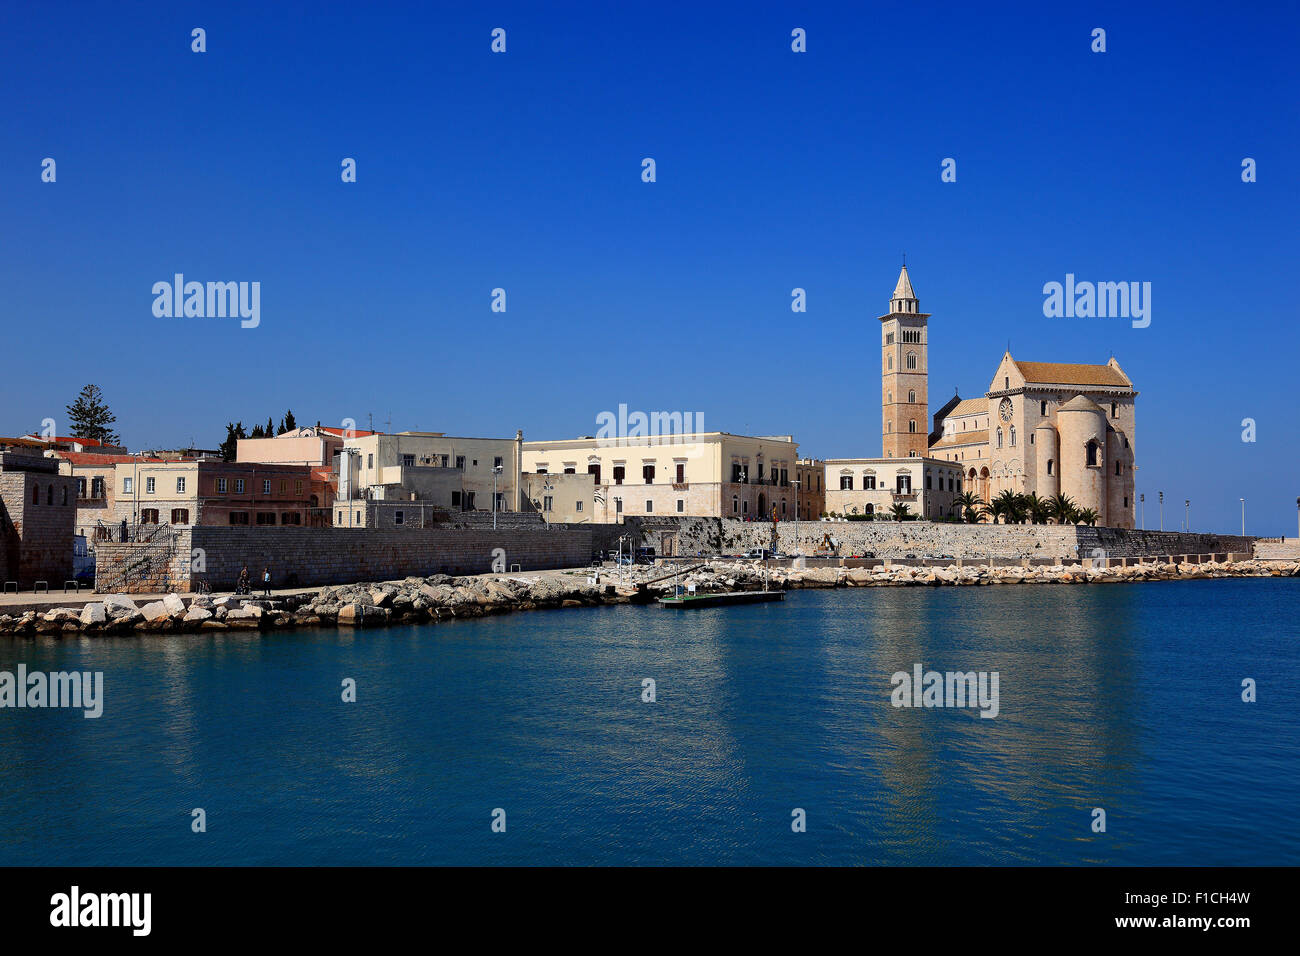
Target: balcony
[{"x": 681, "y": 485}]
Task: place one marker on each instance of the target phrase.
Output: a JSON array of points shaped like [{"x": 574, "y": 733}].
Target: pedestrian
[
  {"x": 266, "y": 581},
  {"x": 244, "y": 585},
  {"x": 124, "y": 531}
]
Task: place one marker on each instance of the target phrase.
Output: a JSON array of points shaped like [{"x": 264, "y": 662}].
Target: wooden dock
[{"x": 721, "y": 600}]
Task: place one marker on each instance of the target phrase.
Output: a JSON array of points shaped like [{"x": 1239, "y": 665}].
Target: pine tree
[
  {"x": 269, "y": 430},
  {"x": 91, "y": 418},
  {"x": 289, "y": 424},
  {"x": 229, "y": 447}
]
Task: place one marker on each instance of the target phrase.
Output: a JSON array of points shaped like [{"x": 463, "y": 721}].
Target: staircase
[{"x": 141, "y": 566}]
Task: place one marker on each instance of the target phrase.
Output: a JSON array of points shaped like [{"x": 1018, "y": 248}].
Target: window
[
  {"x": 542, "y": 471},
  {"x": 81, "y": 487},
  {"x": 681, "y": 505},
  {"x": 266, "y": 486},
  {"x": 620, "y": 471},
  {"x": 297, "y": 489},
  {"x": 239, "y": 517},
  {"x": 148, "y": 515},
  {"x": 340, "y": 521},
  {"x": 911, "y": 426},
  {"x": 474, "y": 462},
  {"x": 889, "y": 338},
  {"x": 180, "y": 486},
  {"x": 1050, "y": 465},
  {"x": 65, "y": 495},
  {"x": 408, "y": 461},
  {"x": 648, "y": 472},
  {"x": 871, "y": 509},
  {"x": 649, "y": 507},
  {"x": 911, "y": 397},
  {"x": 846, "y": 482},
  {"x": 1118, "y": 468},
  {"x": 903, "y": 484},
  {"x": 594, "y": 470},
  {"x": 1092, "y": 453},
  {"x": 570, "y": 469},
  {"x": 1006, "y": 382},
  {"x": 1042, "y": 408},
  {"x": 97, "y": 487},
  {"x": 891, "y": 362},
  {"x": 36, "y": 494},
  {"x": 999, "y": 437},
  {"x": 358, "y": 518},
  {"x": 1114, "y": 409},
  {"x": 548, "y": 503},
  {"x": 928, "y": 485},
  {"x": 496, "y": 462},
  {"x": 221, "y": 485},
  {"x": 239, "y": 486},
  {"x": 149, "y": 486},
  {"x": 180, "y": 516},
  {"x": 399, "y": 517},
  {"x": 455, "y": 499},
  {"x": 1013, "y": 436},
  {"x": 911, "y": 360},
  {"x": 869, "y": 482},
  {"x": 290, "y": 517},
  {"x": 744, "y": 507},
  {"x": 578, "y": 507},
  {"x": 370, "y": 460},
  {"x": 284, "y": 485},
  {"x": 681, "y": 473},
  {"x": 460, "y": 463},
  {"x": 735, "y": 505},
  {"x": 266, "y": 517},
  {"x": 618, "y": 506}
]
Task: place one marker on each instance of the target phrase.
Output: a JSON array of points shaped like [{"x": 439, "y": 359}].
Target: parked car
[{"x": 762, "y": 553}]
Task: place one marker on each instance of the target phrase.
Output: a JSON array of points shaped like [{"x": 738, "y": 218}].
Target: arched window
[
  {"x": 891, "y": 361},
  {"x": 911, "y": 397},
  {"x": 999, "y": 437},
  {"x": 1114, "y": 409},
  {"x": 1050, "y": 465},
  {"x": 49, "y": 495},
  {"x": 735, "y": 504},
  {"x": 1118, "y": 468},
  {"x": 871, "y": 508},
  {"x": 36, "y": 494},
  {"x": 1092, "y": 453},
  {"x": 911, "y": 425},
  {"x": 911, "y": 360},
  {"x": 1013, "y": 436}
]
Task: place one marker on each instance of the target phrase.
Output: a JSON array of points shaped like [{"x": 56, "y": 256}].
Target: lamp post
[
  {"x": 496, "y": 470},
  {"x": 1243, "y": 517},
  {"x": 1162, "y": 511},
  {"x": 1187, "y": 514},
  {"x": 795, "y": 482},
  {"x": 1297, "y": 518},
  {"x": 1142, "y": 511}
]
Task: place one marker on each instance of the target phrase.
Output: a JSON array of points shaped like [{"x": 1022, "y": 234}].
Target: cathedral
[{"x": 1042, "y": 428}]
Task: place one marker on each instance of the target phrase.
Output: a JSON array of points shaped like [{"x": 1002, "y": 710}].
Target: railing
[{"x": 152, "y": 554}]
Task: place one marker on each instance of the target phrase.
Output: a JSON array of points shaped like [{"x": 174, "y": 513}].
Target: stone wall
[
  {"x": 920, "y": 539},
  {"x": 36, "y": 539},
  {"x": 311, "y": 556}
]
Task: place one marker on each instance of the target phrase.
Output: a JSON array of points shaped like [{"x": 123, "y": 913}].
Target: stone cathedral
[{"x": 1040, "y": 427}]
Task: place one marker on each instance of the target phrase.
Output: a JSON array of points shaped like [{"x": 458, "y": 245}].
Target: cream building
[{"x": 708, "y": 474}]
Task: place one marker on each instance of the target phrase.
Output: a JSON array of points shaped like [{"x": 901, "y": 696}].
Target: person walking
[
  {"x": 266, "y": 581},
  {"x": 245, "y": 584}
]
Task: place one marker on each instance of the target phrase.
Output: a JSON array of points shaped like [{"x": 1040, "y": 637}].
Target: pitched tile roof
[
  {"x": 1060, "y": 373},
  {"x": 980, "y": 437}
]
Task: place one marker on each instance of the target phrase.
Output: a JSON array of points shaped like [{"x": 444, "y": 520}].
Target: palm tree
[
  {"x": 900, "y": 512},
  {"x": 1087, "y": 516},
  {"x": 1039, "y": 509},
  {"x": 1063, "y": 509},
  {"x": 972, "y": 506},
  {"x": 1004, "y": 505}
]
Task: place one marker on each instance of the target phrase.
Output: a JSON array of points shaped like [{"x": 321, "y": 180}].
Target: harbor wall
[
  {"x": 910, "y": 539},
  {"x": 302, "y": 557}
]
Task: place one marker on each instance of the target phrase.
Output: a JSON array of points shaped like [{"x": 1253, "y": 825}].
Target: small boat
[{"x": 683, "y": 600}]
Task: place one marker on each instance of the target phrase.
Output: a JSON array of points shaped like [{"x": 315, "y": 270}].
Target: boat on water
[{"x": 687, "y": 600}]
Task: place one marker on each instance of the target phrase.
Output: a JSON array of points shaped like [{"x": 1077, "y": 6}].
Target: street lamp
[
  {"x": 1243, "y": 517},
  {"x": 1142, "y": 500},
  {"x": 795, "y": 482},
  {"x": 1297, "y": 514},
  {"x": 496, "y": 470},
  {"x": 1162, "y": 511},
  {"x": 1187, "y": 514}
]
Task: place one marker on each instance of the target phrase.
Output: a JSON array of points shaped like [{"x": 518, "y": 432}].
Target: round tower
[
  {"x": 1081, "y": 425},
  {"x": 1047, "y": 467}
]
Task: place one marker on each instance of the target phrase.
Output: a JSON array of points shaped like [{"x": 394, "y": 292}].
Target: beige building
[
  {"x": 707, "y": 474},
  {"x": 430, "y": 469},
  {"x": 873, "y": 486},
  {"x": 209, "y": 491}
]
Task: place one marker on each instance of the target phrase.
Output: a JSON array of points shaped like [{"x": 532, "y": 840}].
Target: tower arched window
[
  {"x": 891, "y": 361},
  {"x": 911, "y": 397},
  {"x": 911, "y": 425},
  {"x": 999, "y": 437},
  {"x": 1092, "y": 453},
  {"x": 1013, "y": 436},
  {"x": 911, "y": 360}
]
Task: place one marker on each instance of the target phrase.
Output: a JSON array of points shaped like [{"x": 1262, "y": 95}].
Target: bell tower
[{"x": 904, "y": 372}]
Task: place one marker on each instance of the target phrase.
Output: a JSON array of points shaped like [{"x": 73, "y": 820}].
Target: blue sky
[{"x": 775, "y": 170}]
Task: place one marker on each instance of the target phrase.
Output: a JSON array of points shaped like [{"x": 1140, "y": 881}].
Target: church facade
[{"x": 1042, "y": 428}]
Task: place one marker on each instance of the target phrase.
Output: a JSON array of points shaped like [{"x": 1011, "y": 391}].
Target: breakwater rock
[{"x": 441, "y": 597}]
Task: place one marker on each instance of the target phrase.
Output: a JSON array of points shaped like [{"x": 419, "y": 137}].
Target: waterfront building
[
  {"x": 214, "y": 492},
  {"x": 37, "y": 518},
  {"x": 707, "y": 474}
]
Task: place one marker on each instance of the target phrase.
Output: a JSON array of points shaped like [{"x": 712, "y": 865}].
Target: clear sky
[{"x": 775, "y": 170}]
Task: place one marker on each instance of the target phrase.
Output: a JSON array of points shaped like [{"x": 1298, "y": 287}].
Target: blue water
[{"x": 1124, "y": 697}]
